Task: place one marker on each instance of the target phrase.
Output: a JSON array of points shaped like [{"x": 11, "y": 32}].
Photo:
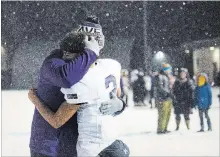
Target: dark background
[{"x": 30, "y": 30}]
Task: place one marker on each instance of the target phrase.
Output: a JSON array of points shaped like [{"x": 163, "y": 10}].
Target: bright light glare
[
  {"x": 212, "y": 48},
  {"x": 159, "y": 55}
]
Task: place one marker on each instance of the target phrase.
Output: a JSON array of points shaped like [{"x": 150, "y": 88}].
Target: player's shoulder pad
[{"x": 111, "y": 62}]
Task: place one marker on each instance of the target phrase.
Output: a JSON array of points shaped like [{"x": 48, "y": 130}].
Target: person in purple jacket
[{"x": 57, "y": 73}]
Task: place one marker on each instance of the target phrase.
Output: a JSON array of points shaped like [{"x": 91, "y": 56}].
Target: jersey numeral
[{"x": 110, "y": 84}]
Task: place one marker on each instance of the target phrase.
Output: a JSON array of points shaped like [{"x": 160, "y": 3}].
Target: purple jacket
[{"x": 54, "y": 74}]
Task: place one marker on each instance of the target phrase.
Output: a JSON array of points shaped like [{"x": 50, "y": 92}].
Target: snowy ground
[{"x": 137, "y": 129}]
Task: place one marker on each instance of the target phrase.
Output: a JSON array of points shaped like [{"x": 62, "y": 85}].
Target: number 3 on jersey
[{"x": 110, "y": 84}]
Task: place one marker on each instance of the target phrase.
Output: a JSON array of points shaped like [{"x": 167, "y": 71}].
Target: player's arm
[
  {"x": 119, "y": 92},
  {"x": 63, "y": 74},
  {"x": 57, "y": 119}
]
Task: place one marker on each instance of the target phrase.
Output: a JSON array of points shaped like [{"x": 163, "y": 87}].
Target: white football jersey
[{"x": 96, "y": 131}]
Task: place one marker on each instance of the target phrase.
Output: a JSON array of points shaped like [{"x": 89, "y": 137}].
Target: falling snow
[{"x": 135, "y": 32}]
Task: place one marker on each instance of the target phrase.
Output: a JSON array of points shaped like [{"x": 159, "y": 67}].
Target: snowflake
[
  {"x": 38, "y": 4},
  {"x": 14, "y": 13},
  {"x": 37, "y": 15},
  {"x": 107, "y": 14},
  {"x": 126, "y": 27},
  {"x": 167, "y": 10},
  {"x": 184, "y": 3},
  {"x": 161, "y": 6},
  {"x": 126, "y": 5},
  {"x": 206, "y": 33},
  {"x": 181, "y": 8},
  {"x": 26, "y": 37},
  {"x": 140, "y": 8}
]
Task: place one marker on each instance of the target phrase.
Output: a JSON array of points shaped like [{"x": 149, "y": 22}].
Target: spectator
[
  {"x": 183, "y": 92},
  {"x": 125, "y": 87},
  {"x": 139, "y": 90},
  {"x": 163, "y": 97},
  {"x": 203, "y": 99}
]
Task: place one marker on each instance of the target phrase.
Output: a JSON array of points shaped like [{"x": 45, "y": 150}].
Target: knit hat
[
  {"x": 91, "y": 26},
  {"x": 166, "y": 67},
  {"x": 73, "y": 41}
]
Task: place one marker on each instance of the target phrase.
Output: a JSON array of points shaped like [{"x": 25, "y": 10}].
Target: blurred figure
[
  {"x": 148, "y": 84},
  {"x": 203, "y": 99},
  {"x": 154, "y": 78},
  {"x": 139, "y": 91},
  {"x": 125, "y": 85},
  {"x": 163, "y": 97},
  {"x": 215, "y": 73},
  {"x": 217, "y": 79},
  {"x": 183, "y": 102},
  {"x": 134, "y": 75}
]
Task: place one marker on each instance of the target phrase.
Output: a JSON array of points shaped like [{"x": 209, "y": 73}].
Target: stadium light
[
  {"x": 212, "y": 48},
  {"x": 159, "y": 55},
  {"x": 186, "y": 51}
]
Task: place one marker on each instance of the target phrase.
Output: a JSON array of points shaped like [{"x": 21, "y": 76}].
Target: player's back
[{"x": 102, "y": 79}]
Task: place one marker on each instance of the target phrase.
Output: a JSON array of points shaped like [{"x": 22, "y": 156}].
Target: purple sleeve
[
  {"x": 62, "y": 74},
  {"x": 122, "y": 87}
]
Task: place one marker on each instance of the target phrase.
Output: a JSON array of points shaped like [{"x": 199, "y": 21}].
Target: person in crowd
[
  {"x": 139, "y": 90},
  {"x": 148, "y": 85},
  {"x": 203, "y": 99},
  {"x": 125, "y": 85},
  {"x": 183, "y": 93},
  {"x": 154, "y": 79},
  {"x": 162, "y": 92}
]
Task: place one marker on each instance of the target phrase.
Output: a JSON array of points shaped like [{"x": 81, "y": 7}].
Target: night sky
[
  {"x": 169, "y": 24},
  {"x": 30, "y": 30}
]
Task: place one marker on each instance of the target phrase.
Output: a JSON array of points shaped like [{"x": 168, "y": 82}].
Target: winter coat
[
  {"x": 203, "y": 97},
  {"x": 183, "y": 97},
  {"x": 203, "y": 94},
  {"x": 160, "y": 88},
  {"x": 139, "y": 90}
]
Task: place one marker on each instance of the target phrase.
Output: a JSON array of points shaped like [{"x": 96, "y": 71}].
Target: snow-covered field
[{"x": 137, "y": 129}]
